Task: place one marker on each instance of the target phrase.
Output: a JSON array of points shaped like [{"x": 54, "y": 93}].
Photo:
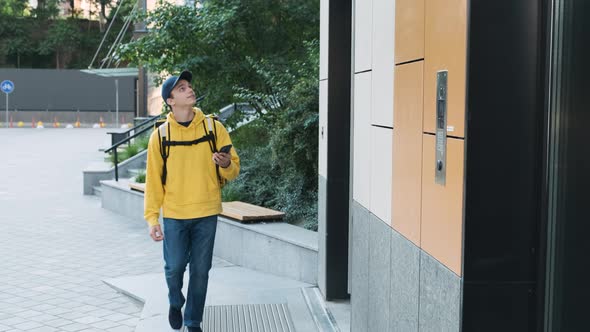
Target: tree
[
  {"x": 222, "y": 40},
  {"x": 15, "y": 38},
  {"x": 63, "y": 38},
  {"x": 39, "y": 38},
  {"x": 46, "y": 9},
  {"x": 14, "y": 31},
  {"x": 14, "y": 8},
  {"x": 264, "y": 52},
  {"x": 102, "y": 14}
]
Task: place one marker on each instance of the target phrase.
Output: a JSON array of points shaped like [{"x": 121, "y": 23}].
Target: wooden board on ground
[
  {"x": 137, "y": 186},
  {"x": 245, "y": 212}
]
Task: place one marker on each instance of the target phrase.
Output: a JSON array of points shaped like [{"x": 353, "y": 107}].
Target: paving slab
[{"x": 58, "y": 245}]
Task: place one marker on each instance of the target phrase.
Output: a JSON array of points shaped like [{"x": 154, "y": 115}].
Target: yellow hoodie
[{"x": 192, "y": 189}]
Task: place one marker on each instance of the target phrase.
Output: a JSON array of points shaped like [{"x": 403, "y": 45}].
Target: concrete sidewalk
[
  {"x": 59, "y": 247},
  {"x": 229, "y": 285}
]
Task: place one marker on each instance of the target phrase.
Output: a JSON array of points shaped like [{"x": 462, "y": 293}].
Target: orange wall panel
[
  {"x": 446, "y": 49},
  {"x": 407, "y": 150},
  {"x": 442, "y": 206},
  {"x": 409, "y": 30}
]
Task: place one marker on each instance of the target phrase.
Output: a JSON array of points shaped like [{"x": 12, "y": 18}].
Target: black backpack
[{"x": 165, "y": 142}]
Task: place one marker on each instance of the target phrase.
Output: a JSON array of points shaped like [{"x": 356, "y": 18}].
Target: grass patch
[
  {"x": 139, "y": 144},
  {"x": 140, "y": 178}
]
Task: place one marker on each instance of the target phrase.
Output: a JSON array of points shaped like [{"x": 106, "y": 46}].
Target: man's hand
[
  {"x": 156, "y": 233},
  {"x": 222, "y": 159}
]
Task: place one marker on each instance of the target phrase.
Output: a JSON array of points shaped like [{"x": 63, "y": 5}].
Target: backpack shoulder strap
[
  {"x": 210, "y": 123},
  {"x": 212, "y": 128},
  {"x": 163, "y": 136},
  {"x": 162, "y": 130},
  {"x": 212, "y": 131}
]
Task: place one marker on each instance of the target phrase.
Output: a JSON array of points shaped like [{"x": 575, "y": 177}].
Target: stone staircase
[
  {"x": 131, "y": 174},
  {"x": 97, "y": 172}
]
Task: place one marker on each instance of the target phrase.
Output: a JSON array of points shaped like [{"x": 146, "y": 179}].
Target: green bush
[
  {"x": 140, "y": 178},
  {"x": 272, "y": 182},
  {"x": 130, "y": 151},
  {"x": 127, "y": 152},
  {"x": 280, "y": 150}
]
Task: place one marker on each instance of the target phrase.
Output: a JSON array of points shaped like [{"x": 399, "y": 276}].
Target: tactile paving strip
[{"x": 248, "y": 318}]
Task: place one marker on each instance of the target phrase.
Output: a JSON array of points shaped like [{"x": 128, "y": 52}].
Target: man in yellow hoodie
[{"x": 185, "y": 169}]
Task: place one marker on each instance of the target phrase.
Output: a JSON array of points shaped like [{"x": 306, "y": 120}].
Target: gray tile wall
[
  {"x": 360, "y": 268},
  {"x": 440, "y": 296},
  {"x": 395, "y": 285},
  {"x": 405, "y": 283},
  {"x": 379, "y": 274}
]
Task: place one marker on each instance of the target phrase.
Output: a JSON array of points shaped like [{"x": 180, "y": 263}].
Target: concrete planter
[{"x": 277, "y": 247}]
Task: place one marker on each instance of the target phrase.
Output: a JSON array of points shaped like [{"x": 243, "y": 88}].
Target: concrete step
[
  {"x": 322, "y": 316},
  {"x": 97, "y": 191},
  {"x": 134, "y": 172}
]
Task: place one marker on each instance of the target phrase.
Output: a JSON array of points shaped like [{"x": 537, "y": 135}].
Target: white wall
[
  {"x": 362, "y": 139},
  {"x": 383, "y": 62},
  {"x": 363, "y": 35},
  {"x": 381, "y": 166},
  {"x": 373, "y": 105},
  {"x": 324, "y": 16}
]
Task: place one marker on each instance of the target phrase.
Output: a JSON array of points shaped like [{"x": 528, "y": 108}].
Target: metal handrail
[
  {"x": 116, "y": 137},
  {"x": 150, "y": 119},
  {"x": 114, "y": 148}
]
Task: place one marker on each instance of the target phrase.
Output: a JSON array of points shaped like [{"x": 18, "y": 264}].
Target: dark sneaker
[
  {"x": 175, "y": 318},
  {"x": 194, "y": 329}
]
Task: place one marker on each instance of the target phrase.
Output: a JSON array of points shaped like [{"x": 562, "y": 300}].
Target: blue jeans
[{"x": 189, "y": 241}]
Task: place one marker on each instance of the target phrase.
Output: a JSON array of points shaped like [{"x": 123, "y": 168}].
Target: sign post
[{"x": 7, "y": 87}]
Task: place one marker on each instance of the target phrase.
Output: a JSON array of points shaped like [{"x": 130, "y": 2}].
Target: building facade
[{"x": 453, "y": 161}]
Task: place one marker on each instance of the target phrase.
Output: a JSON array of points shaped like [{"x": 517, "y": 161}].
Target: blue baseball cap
[{"x": 171, "y": 82}]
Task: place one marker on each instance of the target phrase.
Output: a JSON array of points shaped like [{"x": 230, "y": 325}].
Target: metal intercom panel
[{"x": 441, "y": 128}]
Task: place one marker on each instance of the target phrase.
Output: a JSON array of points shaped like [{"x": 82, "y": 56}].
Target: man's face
[{"x": 182, "y": 95}]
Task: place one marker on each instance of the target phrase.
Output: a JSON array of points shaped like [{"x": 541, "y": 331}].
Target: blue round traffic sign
[{"x": 7, "y": 86}]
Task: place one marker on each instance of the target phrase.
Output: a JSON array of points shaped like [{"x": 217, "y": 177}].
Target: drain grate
[{"x": 248, "y": 318}]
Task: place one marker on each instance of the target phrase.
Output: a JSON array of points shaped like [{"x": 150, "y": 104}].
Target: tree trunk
[{"x": 103, "y": 16}]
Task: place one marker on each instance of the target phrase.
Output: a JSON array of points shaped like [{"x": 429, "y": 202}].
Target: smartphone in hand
[{"x": 225, "y": 149}]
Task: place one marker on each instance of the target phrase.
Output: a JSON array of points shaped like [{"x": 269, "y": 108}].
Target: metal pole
[
  {"x": 116, "y": 165},
  {"x": 117, "y": 102},
  {"x": 7, "y": 110}
]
